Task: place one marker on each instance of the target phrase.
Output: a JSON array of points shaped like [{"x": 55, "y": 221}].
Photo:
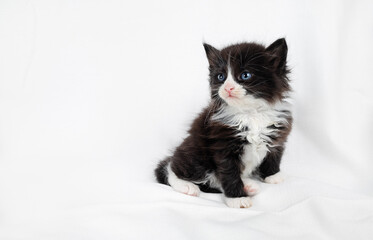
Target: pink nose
[{"x": 229, "y": 88}]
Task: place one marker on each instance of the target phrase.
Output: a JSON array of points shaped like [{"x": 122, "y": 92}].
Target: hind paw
[
  {"x": 188, "y": 188},
  {"x": 181, "y": 185},
  {"x": 275, "y": 178}
]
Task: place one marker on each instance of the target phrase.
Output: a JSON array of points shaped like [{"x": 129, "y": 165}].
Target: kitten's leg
[
  {"x": 181, "y": 185},
  {"x": 233, "y": 187},
  {"x": 250, "y": 186},
  {"x": 269, "y": 169}
]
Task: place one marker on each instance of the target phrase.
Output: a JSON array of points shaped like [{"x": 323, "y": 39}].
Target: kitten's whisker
[{"x": 256, "y": 84}]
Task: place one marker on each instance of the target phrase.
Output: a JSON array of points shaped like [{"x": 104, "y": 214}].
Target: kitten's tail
[{"x": 161, "y": 171}]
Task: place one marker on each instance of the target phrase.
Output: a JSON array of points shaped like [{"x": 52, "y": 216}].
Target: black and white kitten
[{"x": 241, "y": 135}]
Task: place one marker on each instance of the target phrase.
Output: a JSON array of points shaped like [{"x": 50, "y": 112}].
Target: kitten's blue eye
[
  {"x": 221, "y": 77},
  {"x": 245, "y": 76}
]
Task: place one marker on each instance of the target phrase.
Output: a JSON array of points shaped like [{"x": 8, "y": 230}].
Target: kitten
[{"x": 241, "y": 135}]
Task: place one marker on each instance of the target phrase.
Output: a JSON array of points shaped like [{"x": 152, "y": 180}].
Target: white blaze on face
[{"x": 231, "y": 91}]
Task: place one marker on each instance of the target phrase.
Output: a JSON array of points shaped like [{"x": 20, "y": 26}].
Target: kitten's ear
[
  {"x": 212, "y": 53},
  {"x": 278, "y": 52}
]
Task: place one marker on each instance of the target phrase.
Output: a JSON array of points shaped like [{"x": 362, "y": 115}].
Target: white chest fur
[
  {"x": 257, "y": 135},
  {"x": 253, "y": 123}
]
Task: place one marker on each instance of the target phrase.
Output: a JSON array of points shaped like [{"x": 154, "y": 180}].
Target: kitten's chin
[
  {"x": 246, "y": 102},
  {"x": 233, "y": 101}
]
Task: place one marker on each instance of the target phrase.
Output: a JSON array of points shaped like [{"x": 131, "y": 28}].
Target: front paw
[
  {"x": 250, "y": 186},
  {"x": 275, "y": 178},
  {"x": 240, "y": 202}
]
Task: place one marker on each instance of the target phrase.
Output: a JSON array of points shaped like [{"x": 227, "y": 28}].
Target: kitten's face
[{"x": 244, "y": 73}]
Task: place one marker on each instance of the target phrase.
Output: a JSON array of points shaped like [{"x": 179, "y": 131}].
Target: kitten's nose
[{"x": 229, "y": 88}]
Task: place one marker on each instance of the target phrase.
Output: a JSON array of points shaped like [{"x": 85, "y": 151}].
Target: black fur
[{"x": 160, "y": 171}]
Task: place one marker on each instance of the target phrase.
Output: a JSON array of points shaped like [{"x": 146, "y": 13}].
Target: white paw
[
  {"x": 187, "y": 188},
  {"x": 181, "y": 185},
  {"x": 241, "y": 202},
  {"x": 250, "y": 186},
  {"x": 275, "y": 178}
]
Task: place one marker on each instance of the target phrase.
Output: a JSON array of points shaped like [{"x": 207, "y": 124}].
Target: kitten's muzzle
[{"x": 229, "y": 88}]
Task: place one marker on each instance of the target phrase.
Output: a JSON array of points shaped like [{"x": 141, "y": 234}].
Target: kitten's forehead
[
  {"x": 239, "y": 57},
  {"x": 242, "y": 52}
]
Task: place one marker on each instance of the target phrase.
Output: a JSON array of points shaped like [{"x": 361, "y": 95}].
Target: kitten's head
[{"x": 244, "y": 73}]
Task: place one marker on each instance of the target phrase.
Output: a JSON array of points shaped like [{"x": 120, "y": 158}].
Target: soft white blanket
[{"x": 94, "y": 93}]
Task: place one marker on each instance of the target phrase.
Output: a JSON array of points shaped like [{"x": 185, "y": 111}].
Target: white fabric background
[{"x": 94, "y": 93}]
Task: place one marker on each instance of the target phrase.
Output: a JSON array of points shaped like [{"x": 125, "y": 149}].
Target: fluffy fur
[{"x": 241, "y": 135}]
